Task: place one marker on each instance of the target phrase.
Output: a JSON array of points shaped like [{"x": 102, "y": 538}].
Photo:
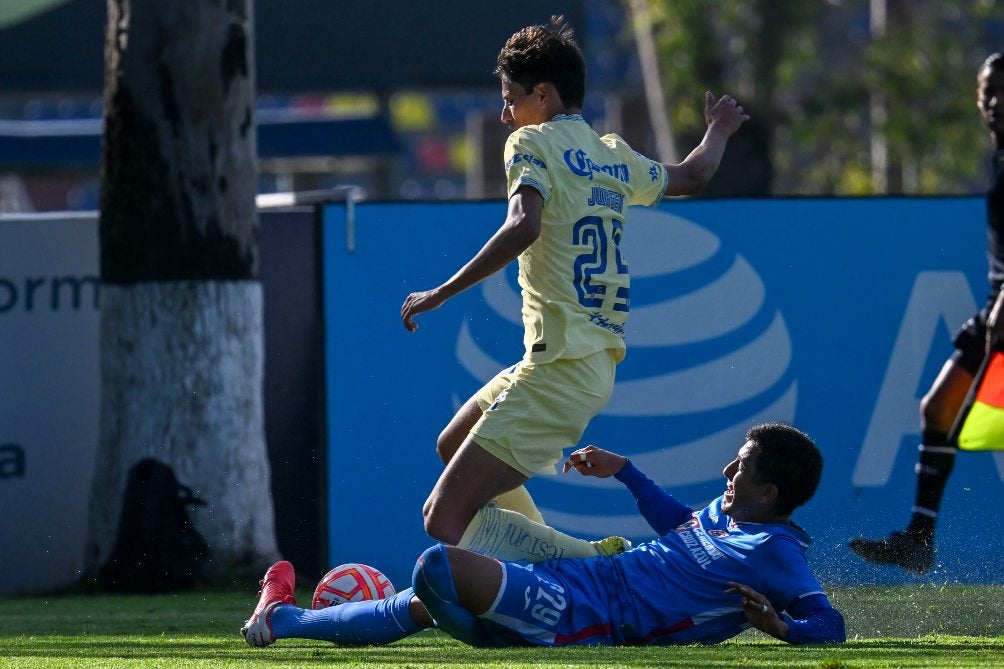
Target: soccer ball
[{"x": 351, "y": 582}]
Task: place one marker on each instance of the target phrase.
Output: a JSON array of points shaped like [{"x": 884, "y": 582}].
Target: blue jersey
[
  {"x": 676, "y": 584},
  {"x": 668, "y": 591}
]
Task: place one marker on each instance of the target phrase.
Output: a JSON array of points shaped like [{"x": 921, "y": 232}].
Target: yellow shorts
[{"x": 532, "y": 412}]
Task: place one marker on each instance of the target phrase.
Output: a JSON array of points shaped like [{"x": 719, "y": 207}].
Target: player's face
[
  {"x": 521, "y": 107},
  {"x": 744, "y": 497},
  {"x": 990, "y": 98}
]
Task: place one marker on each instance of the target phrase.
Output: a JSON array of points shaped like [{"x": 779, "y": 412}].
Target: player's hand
[
  {"x": 725, "y": 113},
  {"x": 418, "y": 303},
  {"x": 759, "y": 611},
  {"x": 593, "y": 461}
]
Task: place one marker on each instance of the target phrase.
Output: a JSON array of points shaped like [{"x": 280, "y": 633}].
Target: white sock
[{"x": 508, "y": 535}]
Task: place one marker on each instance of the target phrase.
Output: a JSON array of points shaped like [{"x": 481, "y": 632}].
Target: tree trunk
[{"x": 181, "y": 323}]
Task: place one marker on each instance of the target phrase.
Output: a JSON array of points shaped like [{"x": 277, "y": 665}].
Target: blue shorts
[{"x": 556, "y": 603}]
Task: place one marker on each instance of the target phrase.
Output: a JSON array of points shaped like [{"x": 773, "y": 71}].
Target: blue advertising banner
[{"x": 834, "y": 315}]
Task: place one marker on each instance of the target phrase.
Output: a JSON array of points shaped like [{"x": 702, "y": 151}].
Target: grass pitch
[{"x": 908, "y": 626}]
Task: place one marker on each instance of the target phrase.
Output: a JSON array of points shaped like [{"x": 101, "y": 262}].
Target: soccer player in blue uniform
[
  {"x": 912, "y": 549},
  {"x": 569, "y": 193},
  {"x": 737, "y": 563}
]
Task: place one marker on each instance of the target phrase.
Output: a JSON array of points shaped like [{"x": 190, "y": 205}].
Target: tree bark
[{"x": 181, "y": 324}]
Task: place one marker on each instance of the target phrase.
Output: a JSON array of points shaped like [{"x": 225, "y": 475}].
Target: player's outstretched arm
[
  {"x": 661, "y": 510},
  {"x": 520, "y": 230},
  {"x": 724, "y": 116}
]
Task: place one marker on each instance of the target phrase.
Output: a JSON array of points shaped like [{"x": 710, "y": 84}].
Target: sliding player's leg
[
  {"x": 371, "y": 622},
  {"x": 365, "y": 623},
  {"x": 436, "y": 583},
  {"x": 485, "y": 602}
]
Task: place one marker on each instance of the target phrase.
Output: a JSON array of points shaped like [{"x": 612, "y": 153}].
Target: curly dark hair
[
  {"x": 788, "y": 458},
  {"x": 548, "y": 53}
]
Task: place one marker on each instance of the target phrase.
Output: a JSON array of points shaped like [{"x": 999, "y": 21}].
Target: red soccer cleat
[{"x": 276, "y": 588}]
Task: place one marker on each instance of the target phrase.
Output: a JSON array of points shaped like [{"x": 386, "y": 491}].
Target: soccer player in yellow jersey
[{"x": 569, "y": 192}]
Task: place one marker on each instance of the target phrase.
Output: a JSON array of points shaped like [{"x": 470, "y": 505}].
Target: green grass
[{"x": 910, "y": 626}]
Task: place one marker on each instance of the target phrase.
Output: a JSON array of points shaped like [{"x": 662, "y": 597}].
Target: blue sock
[
  {"x": 433, "y": 583},
  {"x": 366, "y": 623}
]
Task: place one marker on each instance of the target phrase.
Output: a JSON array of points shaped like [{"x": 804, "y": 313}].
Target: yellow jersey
[{"x": 574, "y": 278}]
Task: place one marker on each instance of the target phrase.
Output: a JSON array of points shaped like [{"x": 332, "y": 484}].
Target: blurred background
[{"x": 847, "y": 97}]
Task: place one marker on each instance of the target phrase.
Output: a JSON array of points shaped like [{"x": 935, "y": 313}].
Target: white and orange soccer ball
[{"x": 351, "y": 582}]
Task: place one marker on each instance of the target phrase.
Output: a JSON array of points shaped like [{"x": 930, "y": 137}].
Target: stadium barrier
[{"x": 832, "y": 314}]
